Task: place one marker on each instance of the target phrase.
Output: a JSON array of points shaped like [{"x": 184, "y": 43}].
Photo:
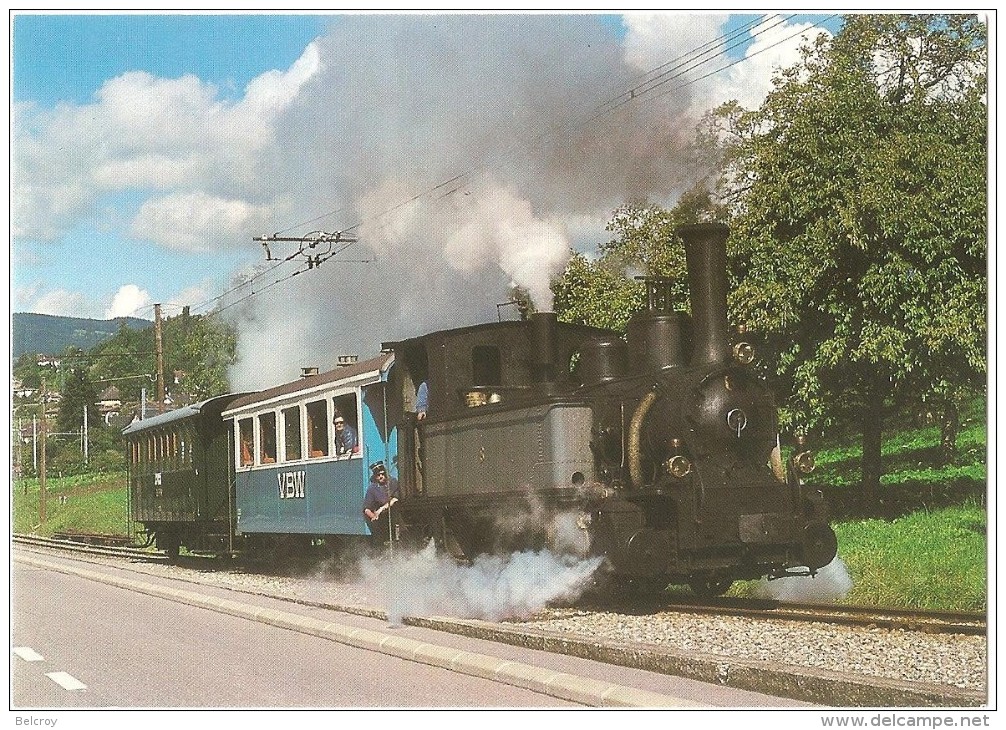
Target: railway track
[
  {"x": 932, "y": 622},
  {"x": 67, "y": 544},
  {"x": 971, "y": 623}
]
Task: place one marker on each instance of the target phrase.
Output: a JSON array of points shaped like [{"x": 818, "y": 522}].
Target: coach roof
[
  {"x": 359, "y": 373},
  {"x": 210, "y": 408}
]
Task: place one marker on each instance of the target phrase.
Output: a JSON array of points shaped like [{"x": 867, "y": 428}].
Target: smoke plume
[
  {"x": 831, "y": 584},
  {"x": 492, "y": 588},
  {"x": 457, "y": 148}
]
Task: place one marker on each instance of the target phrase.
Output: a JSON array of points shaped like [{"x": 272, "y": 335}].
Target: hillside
[{"x": 51, "y": 335}]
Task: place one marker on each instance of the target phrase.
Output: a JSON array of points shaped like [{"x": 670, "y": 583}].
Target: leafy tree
[
  {"x": 27, "y": 370},
  {"x": 595, "y": 293},
  {"x": 602, "y": 292},
  {"x": 203, "y": 347},
  {"x": 78, "y": 392},
  {"x": 857, "y": 194}
]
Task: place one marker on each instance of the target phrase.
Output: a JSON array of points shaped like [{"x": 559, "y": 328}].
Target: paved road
[
  {"x": 82, "y": 642},
  {"x": 115, "y": 648}
]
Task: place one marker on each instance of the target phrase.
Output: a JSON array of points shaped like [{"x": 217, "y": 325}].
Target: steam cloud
[
  {"x": 492, "y": 588},
  {"x": 831, "y": 584},
  {"x": 495, "y": 586},
  {"x": 399, "y": 106}
]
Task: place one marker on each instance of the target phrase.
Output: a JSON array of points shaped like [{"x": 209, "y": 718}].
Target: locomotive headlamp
[
  {"x": 678, "y": 466},
  {"x": 744, "y": 353},
  {"x": 804, "y": 462},
  {"x": 803, "y": 459}
]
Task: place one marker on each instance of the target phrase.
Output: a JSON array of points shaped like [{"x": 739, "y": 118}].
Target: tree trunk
[
  {"x": 873, "y": 428},
  {"x": 950, "y": 426}
]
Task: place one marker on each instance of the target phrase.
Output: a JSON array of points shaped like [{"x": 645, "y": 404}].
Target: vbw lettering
[{"x": 291, "y": 484}]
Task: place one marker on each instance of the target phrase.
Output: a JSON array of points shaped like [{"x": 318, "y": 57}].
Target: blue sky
[
  {"x": 61, "y": 59},
  {"x": 68, "y": 57},
  {"x": 150, "y": 149}
]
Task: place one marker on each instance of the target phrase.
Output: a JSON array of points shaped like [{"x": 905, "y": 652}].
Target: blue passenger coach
[{"x": 292, "y": 475}]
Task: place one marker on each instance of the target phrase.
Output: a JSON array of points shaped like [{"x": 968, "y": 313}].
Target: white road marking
[
  {"x": 28, "y": 654},
  {"x": 66, "y": 681}
]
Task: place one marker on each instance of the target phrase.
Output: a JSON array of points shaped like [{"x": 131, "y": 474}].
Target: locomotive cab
[{"x": 506, "y": 431}]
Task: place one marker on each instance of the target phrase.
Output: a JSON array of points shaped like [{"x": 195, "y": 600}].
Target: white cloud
[
  {"x": 775, "y": 47},
  {"x": 275, "y": 90},
  {"x": 127, "y": 302},
  {"x": 63, "y": 302},
  {"x": 655, "y": 39},
  {"x": 197, "y": 221},
  {"x": 659, "y": 42},
  {"x": 144, "y": 132}
]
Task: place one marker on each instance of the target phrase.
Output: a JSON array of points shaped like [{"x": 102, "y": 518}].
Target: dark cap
[{"x": 377, "y": 468}]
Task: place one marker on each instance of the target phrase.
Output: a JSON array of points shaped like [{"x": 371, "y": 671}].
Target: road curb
[
  {"x": 818, "y": 686},
  {"x": 569, "y": 687}
]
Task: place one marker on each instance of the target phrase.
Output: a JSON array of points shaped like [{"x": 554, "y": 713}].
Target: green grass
[
  {"x": 909, "y": 456},
  {"x": 928, "y": 559},
  {"x": 91, "y": 503}
]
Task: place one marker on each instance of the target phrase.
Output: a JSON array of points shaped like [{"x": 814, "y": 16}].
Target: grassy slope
[
  {"x": 928, "y": 559},
  {"x": 91, "y": 504}
]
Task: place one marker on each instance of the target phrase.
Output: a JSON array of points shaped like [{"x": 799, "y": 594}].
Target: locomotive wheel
[{"x": 709, "y": 586}]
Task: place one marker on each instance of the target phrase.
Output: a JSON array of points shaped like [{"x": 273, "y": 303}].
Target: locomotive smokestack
[
  {"x": 543, "y": 334},
  {"x": 706, "y": 255}
]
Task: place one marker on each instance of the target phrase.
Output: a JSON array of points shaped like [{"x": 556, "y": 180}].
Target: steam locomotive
[{"x": 658, "y": 451}]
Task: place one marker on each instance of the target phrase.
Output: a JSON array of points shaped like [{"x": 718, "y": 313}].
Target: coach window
[
  {"x": 291, "y": 434},
  {"x": 267, "y": 438},
  {"x": 317, "y": 428},
  {"x": 246, "y": 441}
]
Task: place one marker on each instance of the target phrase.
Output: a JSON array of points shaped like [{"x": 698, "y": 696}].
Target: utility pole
[
  {"x": 159, "y": 346},
  {"x": 41, "y": 465},
  {"x": 84, "y": 435}
]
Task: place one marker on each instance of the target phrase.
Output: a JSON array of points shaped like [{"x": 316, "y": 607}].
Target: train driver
[
  {"x": 381, "y": 497},
  {"x": 422, "y": 400}
]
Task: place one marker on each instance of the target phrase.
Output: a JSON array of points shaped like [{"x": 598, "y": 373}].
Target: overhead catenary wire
[{"x": 656, "y": 78}]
